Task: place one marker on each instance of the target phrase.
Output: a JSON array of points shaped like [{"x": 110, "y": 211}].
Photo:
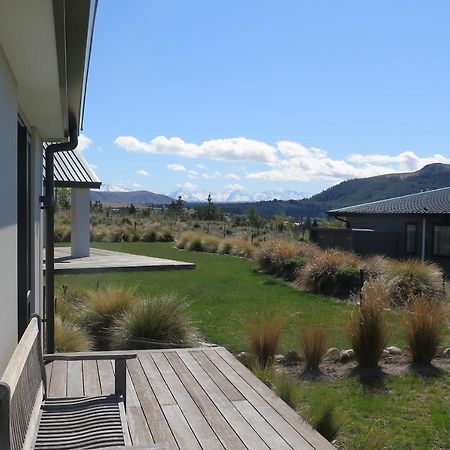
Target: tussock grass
[
  {"x": 319, "y": 274},
  {"x": 266, "y": 374},
  {"x": 367, "y": 330},
  {"x": 424, "y": 328},
  {"x": 270, "y": 255},
  {"x": 100, "y": 307},
  {"x": 289, "y": 390},
  {"x": 70, "y": 337},
  {"x": 326, "y": 422},
  {"x": 153, "y": 322},
  {"x": 263, "y": 331},
  {"x": 410, "y": 278},
  {"x": 313, "y": 345}
]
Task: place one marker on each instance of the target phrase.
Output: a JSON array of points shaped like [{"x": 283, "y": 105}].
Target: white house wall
[{"x": 8, "y": 212}]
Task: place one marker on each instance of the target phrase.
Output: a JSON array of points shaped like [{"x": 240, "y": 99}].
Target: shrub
[
  {"x": 291, "y": 267},
  {"x": 367, "y": 329},
  {"x": 165, "y": 236},
  {"x": 326, "y": 422},
  {"x": 346, "y": 281},
  {"x": 153, "y": 323},
  {"x": 272, "y": 254},
  {"x": 411, "y": 278},
  {"x": 150, "y": 236},
  {"x": 288, "y": 389},
  {"x": 134, "y": 237},
  {"x": 101, "y": 307},
  {"x": 424, "y": 328},
  {"x": 70, "y": 337},
  {"x": 264, "y": 373},
  {"x": 319, "y": 274},
  {"x": 115, "y": 236},
  {"x": 58, "y": 233},
  {"x": 263, "y": 332},
  {"x": 313, "y": 345},
  {"x": 210, "y": 244},
  {"x": 98, "y": 235},
  {"x": 195, "y": 244}
]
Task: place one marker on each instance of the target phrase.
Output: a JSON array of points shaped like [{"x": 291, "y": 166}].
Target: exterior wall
[{"x": 8, "y": 212}]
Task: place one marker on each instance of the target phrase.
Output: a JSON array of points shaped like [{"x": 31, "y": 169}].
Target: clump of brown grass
[
  {"x": 242, "y": 248},
  {"x": 313, "y": 345},
  {"x": 289, "y": 390},
  {"x": 101, "y": 307},
  {"x": 367, "y": 330},
  {"x": 424, "y": 328},
  {"x": 410, "y": 278},
  {"x": 153, "y": 322},
  {"x": 319, "y": 272},
  {"x": 70, "y": 337},
  {"x": 263, "y": 332},
  {"x": 270, "y": 255}
]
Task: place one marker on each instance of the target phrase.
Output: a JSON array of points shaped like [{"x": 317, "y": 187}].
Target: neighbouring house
[
  {"x": 44, "y": 54},
  {"x": 415, "y": 225}
]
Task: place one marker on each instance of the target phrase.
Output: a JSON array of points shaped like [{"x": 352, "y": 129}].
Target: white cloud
[
  {"x": 136, "y": 185},
  {"x": 201, "y": 166},
  {"x": 83, "y": 142},
  {"x": 176, "y": 167},
  {"x": 232, "y": 176},
  {"x": 188, "y": 186},
  {"x": 142, "y": 173},
  {"x": 235, "y": 187},
  {"x": 231, "y": 149}
]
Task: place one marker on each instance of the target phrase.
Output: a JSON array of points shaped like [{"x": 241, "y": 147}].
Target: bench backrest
[{"x": 22, "y": 389}]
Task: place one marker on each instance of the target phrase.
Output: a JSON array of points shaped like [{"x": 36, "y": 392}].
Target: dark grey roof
[
  {"x": 436, "y": 201},
  {"x": 72, "y": 170}
]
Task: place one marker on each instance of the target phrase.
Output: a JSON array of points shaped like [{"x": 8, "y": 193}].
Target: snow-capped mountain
[{"x": 239, "y": 196}]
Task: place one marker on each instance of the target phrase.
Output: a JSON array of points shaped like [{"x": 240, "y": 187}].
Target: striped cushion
[{"x": 80, "y": 423}]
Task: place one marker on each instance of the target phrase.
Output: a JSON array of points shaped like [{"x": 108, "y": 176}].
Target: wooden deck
[
  {"x": 201, "y": 398},
  {"x": 108, "y": 261}
]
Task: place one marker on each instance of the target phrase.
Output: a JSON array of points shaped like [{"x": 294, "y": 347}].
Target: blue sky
[{"x": 266, "y": 95}]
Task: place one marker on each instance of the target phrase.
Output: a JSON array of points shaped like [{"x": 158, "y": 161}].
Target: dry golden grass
[
  {"x": 271, "y": 255},
  {"x": 70, "y": 337},
  {"x": 367, "y": 330},
  {"x": 263, "y": 331},
  {"x": 409, "y": 278},
  {"x": 318, "y": 274},
  {"x": 424, "y": 328},
  {"x": 313, "y": 345},
  {"x": 242, "y": 248}
]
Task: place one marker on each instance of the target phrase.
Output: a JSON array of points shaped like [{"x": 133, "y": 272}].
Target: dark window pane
[
  {"x": 441, "y": 243},
  {"x": 411, "y": 230}
]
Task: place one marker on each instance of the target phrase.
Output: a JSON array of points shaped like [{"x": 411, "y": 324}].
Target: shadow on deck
[{"x": 201, "y": 398}]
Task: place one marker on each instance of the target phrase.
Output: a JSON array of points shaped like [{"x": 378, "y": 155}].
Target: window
[
  {"x": 441, "y": 240},
  {"x": 411, "y": 232}
]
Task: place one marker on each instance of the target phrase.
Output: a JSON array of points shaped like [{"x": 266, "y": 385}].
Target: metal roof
[
  {"x": 436, "y": 201},
  {"x": 73, "y": 171}
]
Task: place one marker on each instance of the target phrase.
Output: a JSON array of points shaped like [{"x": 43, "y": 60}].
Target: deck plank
[
  {"x": 303, "y": 428},
  {"x": 206, "y": 437},
  {"x": 178, "y": 424},
  {"x": 224, "y": 432},
  {"x": 75, "y": 379},
  {"x": 106, "y": 375},
  {"x": 58, "y": 385},
  {"x": 153, "y": 413}
]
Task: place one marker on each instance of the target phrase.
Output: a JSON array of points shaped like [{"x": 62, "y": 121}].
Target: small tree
[
  {"x": 176, "y": 208},
  {"x": 254, "y": 219}
]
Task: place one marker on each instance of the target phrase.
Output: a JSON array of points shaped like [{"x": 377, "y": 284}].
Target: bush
[
  {"x": 319, "y": 274},
  {"x": 326, "y": 422},
  {"x": 263, "y": 332},
  {"x": 242, "y": 248},
  {"x": 98, "y": 235},
  {"x": 154, "y": 322},
  {"x": 288, "y": 389},
  {"x": 291, "y": 267},
  {"x": 195, "y": 244},
  {"x": 210, "y": 244},
  {"x": 115, "y": 236},
  {"x": 150, "y": 236},
  {"x": 70, "y": 337},
  {"x": 165, "y": 236},
  {"x": 346, "y": 281},
  {"x": 271, "y": 255},
  {"x": 225, "y": 247},
  {"x": 424, "y": 328},
  {"x": 367, "y": 329},
  {"x": 101, "y": 307},
  {"x": 313, "y": 345},
  {"x": 411, "y": 278}
]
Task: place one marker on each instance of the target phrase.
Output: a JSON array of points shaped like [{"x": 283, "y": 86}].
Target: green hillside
[{"x": 353, "y": 192}]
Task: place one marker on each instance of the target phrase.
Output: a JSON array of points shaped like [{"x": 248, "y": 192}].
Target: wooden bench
[{"x": 28, "y": 419}]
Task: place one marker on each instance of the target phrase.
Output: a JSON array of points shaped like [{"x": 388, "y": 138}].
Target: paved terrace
[
  {"x": 109, "y": 261},
  {"x": 201, "y": 398}
]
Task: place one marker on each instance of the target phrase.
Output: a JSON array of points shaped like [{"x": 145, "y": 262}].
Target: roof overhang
[{"x": 47, "y": 45}]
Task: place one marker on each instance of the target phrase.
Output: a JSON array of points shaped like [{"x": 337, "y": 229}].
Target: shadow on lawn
[
  {"x": 430, "y": 371},
  {"x": 371, "y": 378}
]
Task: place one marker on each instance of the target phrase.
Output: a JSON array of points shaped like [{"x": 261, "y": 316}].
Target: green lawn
[
  {"x": 407, "y": 412},
  {"x": 222, "y": 290}
]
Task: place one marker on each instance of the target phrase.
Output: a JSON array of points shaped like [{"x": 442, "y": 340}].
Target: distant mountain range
[
  {"x": 292, "y": 203},
  {"x": 354, "y": 192},
  {"x": 135, "y": 197},
  {"x": 239, "y": 195}
]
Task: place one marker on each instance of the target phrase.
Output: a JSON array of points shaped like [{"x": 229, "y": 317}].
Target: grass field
[{"x": 408, "y": 412}]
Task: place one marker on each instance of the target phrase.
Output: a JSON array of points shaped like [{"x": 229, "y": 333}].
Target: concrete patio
[{"x": 108, "y": 261}]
